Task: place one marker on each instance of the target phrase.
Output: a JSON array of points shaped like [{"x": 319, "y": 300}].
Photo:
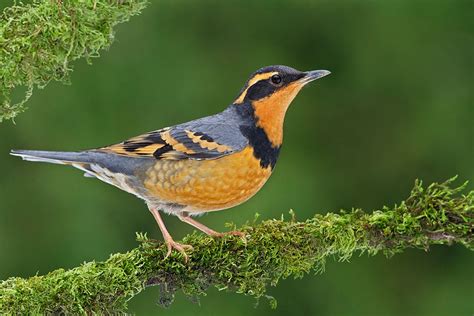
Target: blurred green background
[{"x": 398, "y": 106}]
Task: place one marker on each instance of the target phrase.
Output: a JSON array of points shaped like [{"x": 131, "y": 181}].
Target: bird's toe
[{"x": 182, "y": 248}]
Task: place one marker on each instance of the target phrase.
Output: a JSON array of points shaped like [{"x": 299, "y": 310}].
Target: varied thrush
[{"x": 209, "y": 164}]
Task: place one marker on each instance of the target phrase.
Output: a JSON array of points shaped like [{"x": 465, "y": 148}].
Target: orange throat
[{"x": 271, "y": 111}]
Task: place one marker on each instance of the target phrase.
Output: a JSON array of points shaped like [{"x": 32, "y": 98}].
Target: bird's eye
[{"x": 276, "y": 79}]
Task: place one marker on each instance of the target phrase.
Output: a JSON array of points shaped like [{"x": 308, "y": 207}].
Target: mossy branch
[
  {"x": 38, "y": 41},
  {"x": 274, "y": 249}
]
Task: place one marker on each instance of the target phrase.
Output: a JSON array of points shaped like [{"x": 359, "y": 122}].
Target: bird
[{"x": 204, "y": 165}]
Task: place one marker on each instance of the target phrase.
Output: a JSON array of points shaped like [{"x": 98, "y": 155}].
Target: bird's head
[{"x": 270, "y": 91}]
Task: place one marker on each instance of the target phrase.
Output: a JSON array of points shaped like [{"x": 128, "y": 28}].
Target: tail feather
[
  {"x": 57, "y": 157},
  {"x": 86, "y": 160},
  {"x": 80, "y": 160},
  {"x": 114, "y": 169}
]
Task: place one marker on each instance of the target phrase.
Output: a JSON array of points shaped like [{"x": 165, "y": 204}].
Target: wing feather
[
  {"x": 172, "y": 144},
  {"x": 205, "y": 138}
]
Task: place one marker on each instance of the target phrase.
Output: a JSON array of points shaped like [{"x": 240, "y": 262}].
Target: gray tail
[
  {"x": 79, "y": 160},
  {"x": 88, "y": 161},
  {"x": 58, "y": 157}
]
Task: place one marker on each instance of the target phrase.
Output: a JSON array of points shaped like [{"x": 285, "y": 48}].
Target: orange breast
[{"x": 207, "y": 185}]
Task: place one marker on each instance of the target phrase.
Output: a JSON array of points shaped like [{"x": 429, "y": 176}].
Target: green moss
[
  {"x": 38, "y": 42},
  {"x": 274, "y": 249}
]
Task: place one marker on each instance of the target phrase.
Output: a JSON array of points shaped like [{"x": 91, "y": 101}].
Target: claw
[{"x": 171, "y": 244}]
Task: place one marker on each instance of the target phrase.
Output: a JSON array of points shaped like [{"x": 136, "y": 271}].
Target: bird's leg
[
  {"x": 187, "y": 219},
  {"x": 170, "y": 243}
]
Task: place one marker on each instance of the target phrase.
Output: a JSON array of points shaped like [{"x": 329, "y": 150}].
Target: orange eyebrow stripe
[{"x": 251, "y": 82}]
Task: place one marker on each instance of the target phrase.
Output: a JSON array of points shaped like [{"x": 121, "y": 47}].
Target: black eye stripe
[{"x": 261, "y": 89}]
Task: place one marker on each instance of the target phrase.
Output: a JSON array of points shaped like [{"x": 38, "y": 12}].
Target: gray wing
[{"x": 206, "y": 138}]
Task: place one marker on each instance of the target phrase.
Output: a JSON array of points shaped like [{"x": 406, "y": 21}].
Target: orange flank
[{"x": 207, "y": 185}]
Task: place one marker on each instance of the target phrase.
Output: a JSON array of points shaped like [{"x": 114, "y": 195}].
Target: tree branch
[
  {"x": 274, "y": 249},
  {"x": 38, "y": 41}
]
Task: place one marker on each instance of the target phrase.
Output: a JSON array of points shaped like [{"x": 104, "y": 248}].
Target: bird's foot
[{"x": 182, "y": 248}]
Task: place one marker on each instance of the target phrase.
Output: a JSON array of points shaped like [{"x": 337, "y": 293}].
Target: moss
[
  {"x": 274, "y": 249},
  {"x": 38, "y": 42}
]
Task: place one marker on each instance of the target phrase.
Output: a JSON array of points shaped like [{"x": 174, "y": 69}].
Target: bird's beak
[{"x": 314, "y": 75}]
